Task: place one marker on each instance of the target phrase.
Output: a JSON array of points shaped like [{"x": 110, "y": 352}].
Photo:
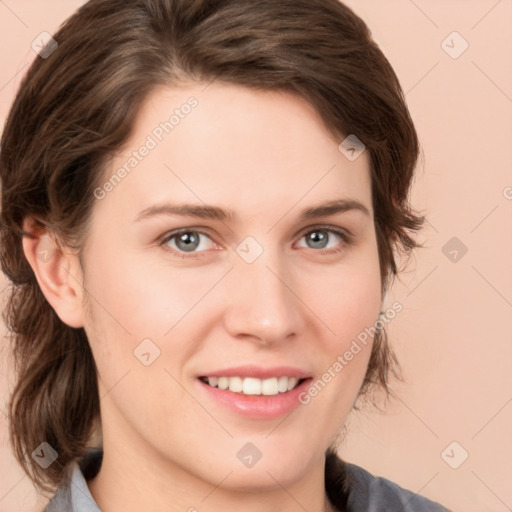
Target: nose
[{"x": 262, "y": 301}]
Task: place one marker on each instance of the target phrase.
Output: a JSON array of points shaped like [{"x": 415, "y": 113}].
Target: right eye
[{"x": 186, "y": 240}]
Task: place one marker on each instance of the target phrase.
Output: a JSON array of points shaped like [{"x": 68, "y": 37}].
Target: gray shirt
[{"x": 349, "y": 487}]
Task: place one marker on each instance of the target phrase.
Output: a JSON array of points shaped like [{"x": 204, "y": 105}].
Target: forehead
[{"x": 226, "y": 144}]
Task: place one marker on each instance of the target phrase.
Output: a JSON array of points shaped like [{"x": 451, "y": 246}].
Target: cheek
[
  {"x": 349, "y": 305},
  {"x": 347, "y": 299},
  {"x": 143, "y": 297},
  {"x": 348, "y": 302},
  {"x": 135, "y": 299}
]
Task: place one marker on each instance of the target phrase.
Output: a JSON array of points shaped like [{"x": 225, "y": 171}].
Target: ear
[{"x": 57, "y": 271}]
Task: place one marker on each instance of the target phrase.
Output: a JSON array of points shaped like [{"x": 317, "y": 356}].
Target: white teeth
[
  {"x": 282, "y": 384},
  {"x": 223, "y": 383},
  {"x": 292, "y": 383},
  {"x": 251, "y": 386},
  {"x": 235, "y": 384},
  {"x": 269, "y": 386},
  {"x": 254, "y": 386}
]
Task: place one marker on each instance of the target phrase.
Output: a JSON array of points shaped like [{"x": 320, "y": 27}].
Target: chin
[{"x": 259, "y": 480}]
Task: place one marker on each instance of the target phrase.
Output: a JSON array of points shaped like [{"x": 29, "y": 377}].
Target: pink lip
[
  {"x": 258, "y": 372},
  {"x": 257, "y": 406}
]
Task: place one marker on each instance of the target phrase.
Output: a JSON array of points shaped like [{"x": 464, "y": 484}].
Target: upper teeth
[{"x": 253, "y": 386}]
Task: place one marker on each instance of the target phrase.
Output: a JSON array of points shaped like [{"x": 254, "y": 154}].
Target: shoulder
[
  {"x": 61, "y": 501},
  {"x": 375, "y": 493},
  {"x": 73, "y": 494},
  {"x": 355, "y": 489}
]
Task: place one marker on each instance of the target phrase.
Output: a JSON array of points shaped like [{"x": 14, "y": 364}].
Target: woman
[{"x": 200, "y": 206}]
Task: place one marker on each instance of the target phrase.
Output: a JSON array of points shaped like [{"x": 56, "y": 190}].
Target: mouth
[
  {"x": 255, "y": 398},
  {"x": 254, "y": 391},
  {"x": 253, "y": 386}
]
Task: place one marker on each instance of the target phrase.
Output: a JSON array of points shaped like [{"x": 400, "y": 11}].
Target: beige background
[{"x": 454, "y": 335}]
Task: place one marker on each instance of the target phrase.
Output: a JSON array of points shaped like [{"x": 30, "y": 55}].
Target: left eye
[
  {"x": 320, "y": 237},
  {"x": 190, "y": 241}
]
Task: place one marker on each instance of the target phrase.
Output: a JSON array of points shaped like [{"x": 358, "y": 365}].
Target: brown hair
[{"x": 75, "y": 109}]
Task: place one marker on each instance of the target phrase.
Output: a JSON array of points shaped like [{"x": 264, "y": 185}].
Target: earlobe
[{"x": 58, "y": 274}]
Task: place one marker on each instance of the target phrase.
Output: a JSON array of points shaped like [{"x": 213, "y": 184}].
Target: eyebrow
[{"x": 216, "y": 213}]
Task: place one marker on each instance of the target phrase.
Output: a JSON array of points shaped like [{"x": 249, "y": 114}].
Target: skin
[{"x": 266, "y": 156}]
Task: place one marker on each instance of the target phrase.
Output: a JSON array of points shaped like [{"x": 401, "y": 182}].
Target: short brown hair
[{"x": 77, "y": 106}]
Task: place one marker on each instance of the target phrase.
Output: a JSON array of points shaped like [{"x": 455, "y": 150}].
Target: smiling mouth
[{"x": 254, "y": 386}]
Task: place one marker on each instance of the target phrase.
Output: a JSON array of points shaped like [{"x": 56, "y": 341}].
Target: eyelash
[{"x": 346, "y": 236}]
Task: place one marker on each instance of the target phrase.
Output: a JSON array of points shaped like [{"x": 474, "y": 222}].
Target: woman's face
[{"x": 266, "y": 291}]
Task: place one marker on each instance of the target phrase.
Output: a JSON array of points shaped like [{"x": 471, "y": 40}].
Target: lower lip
[{"x": 258, "y": 406}]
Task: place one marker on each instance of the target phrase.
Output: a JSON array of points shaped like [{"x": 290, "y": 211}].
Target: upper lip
[{"x": 259, "y": 372}]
